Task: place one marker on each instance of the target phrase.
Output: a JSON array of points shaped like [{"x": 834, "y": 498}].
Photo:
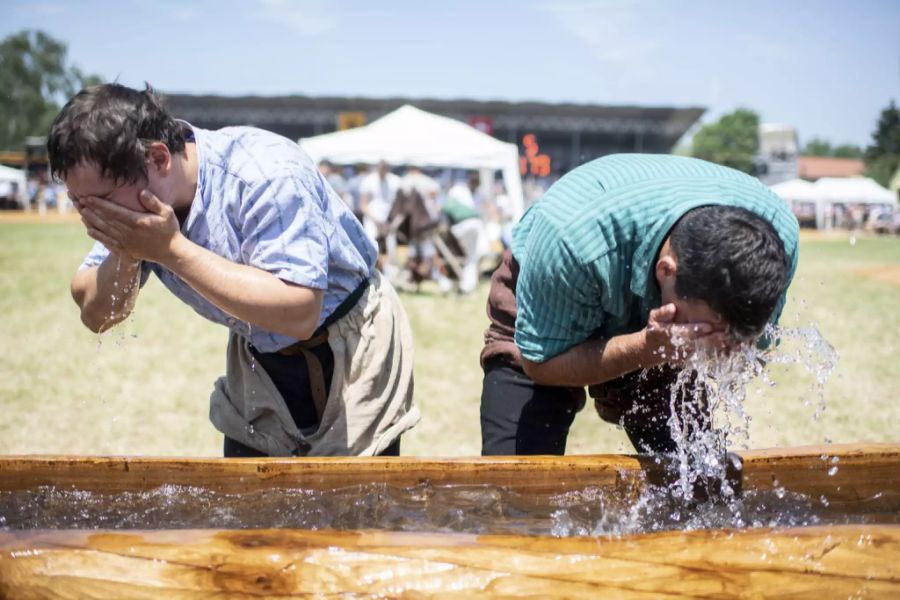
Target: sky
[{"x": 826, "y": 67}]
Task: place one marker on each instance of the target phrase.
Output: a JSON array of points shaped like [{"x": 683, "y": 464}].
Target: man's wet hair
[
  {"x": 733, "y": 260},
  {"x": 111, "y": 126}
]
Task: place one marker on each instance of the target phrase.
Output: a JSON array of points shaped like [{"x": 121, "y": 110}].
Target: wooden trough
[{"x": 840, "y": 561}]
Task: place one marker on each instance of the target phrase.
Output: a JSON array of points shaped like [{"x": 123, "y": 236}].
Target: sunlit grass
[{"x": 143, "y": 388}]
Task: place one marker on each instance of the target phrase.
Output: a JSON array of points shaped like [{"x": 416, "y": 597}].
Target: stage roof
[{"x": 664, "y": 124}]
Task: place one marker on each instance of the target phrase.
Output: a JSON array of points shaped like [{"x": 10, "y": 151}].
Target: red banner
[{"x": 482, "y": 124}]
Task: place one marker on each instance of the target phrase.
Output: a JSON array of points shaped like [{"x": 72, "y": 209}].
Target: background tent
[
  {"x": 796, "y": 190},
  {"x": 828, "y": 191},
  {"x": 804, "y": 199},
  {"x": 409, "y": 136},
  {"x": 8, "y": 176},
  {"x": 854, "y": 190}
]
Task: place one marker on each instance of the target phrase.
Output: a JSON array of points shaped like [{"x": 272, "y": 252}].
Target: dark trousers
[
  {"x": 290, "y": 374},
  {"x": 519, "y": 416}
]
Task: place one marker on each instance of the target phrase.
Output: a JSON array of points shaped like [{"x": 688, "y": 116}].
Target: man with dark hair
[
  {"x": 241, "y": 226},
  {"x": 622, "y": 262}
]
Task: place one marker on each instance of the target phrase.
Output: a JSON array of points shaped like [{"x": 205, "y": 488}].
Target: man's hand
[
  {"x": 147, "y": 235},
  {"x": 669, "y": 341}
]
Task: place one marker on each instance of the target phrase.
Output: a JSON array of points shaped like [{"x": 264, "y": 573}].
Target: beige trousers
[{"x": 371, "y": 400}]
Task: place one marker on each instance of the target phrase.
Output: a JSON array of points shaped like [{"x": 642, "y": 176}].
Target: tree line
[{"x": 733, "y": 141}]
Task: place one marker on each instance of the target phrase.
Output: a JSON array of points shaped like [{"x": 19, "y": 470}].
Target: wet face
[
  {"x": 687, "y": 310},
  {"x": 84, "y": 180},
  {"x": 696, "y": 311}
]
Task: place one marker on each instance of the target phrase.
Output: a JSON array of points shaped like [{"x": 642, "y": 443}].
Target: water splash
[
  {"x": 805, "y": 346},
  {"x": 707, "y": 401}
]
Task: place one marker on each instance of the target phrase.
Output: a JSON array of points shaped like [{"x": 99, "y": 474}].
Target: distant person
[
  {"x": 31, "y": 188},
  {"x": 618, "y": 259},
  {"x": 7, "y": 195},
  {"x": 505, "y": 215},
  {"x": 417, "y": 205},
  {"x": 377, "y": 192},
  {"x": 240, "y": 225},
  {"x": 468, "y": 229},
  {"x": 429, "y": 189},
  {"x": 361, "y": 171}
]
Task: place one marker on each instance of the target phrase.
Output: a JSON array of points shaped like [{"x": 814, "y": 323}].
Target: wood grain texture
[
  {"x": 870, "y": 468},
  {"x": 816, "y": 562}
]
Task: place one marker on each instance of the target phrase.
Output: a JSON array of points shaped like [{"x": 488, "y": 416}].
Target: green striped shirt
[{"x": 587, "y": 249}]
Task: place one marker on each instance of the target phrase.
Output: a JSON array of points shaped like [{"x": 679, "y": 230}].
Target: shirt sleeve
[
  {"x": 284, "y": 232},
  {"x": 95, "y": 257},
  {"x": 98, "y": 254},
  {"x": 558, "y": 301}
]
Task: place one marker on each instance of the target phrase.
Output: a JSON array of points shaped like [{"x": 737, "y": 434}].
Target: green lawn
[{"x": 143, "y": 388}]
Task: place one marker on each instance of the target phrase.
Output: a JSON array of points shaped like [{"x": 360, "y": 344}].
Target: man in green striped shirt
[{"x": 618, "y": 258}]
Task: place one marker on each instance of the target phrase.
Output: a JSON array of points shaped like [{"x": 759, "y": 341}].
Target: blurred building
[
  {"x": 566, "y": 134},
  {"x": 778, "y": 153},
  {"x": 812, "y": 168}
]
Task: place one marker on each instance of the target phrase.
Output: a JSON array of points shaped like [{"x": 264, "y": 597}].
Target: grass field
[{"x": 143, "y": 388}]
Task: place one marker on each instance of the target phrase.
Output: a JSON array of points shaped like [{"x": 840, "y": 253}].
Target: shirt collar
[{"x": 197, "y": 204}]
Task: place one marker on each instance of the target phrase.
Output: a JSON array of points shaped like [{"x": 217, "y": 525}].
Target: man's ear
[
  {"x": 666, "y": 268},
  {"x": 159, "y": 158}
]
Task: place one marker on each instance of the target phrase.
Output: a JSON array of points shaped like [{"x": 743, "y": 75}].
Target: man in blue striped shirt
[
  {"x": 619, "y": 258},
  {"x": 240, "y": 225}
]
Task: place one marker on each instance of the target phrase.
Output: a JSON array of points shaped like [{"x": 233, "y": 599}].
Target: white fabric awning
[
  {"x": 854, "y": 190},
  {"x": 8, "y": 176},
  {"x": 834, "y": 190},
  {"x": 409, "y": 136},
  {"x": 797, "y": 190}
]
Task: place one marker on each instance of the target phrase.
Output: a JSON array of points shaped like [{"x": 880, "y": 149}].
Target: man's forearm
[
  {"x": 595, "y": 361},
  {"x": 247, "y": 293},
  {"x": 106, "y": 293}
]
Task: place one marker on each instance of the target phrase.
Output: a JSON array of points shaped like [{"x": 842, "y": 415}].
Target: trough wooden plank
[
  {"x": 141, "y": 473},
  {"x": 867, "y": 476},
  {"x": 815, "y": 562}
]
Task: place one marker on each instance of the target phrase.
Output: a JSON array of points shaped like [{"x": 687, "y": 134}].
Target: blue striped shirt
[
  {"x": 586, "y": 250},
  {"x": 261, "y": 201}
]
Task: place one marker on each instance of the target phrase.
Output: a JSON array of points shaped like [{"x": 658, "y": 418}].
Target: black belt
[{"x": 344, "y": 307}]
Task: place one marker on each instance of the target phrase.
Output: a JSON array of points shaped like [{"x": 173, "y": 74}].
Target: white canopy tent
[
  {"x": 409, "y": 136},
  {"x": 802, "y": 196},
  {"x": 9, "y": 176},
  {"x": 854, "y": 190},
  {"x": 828, "y": 191},
  {"x": 796, "y": 190}
]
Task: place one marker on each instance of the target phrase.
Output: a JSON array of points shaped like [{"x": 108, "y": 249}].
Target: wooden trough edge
[
  {"x": 862, "y": 470},
  {"x": 813, "y": 562}
]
